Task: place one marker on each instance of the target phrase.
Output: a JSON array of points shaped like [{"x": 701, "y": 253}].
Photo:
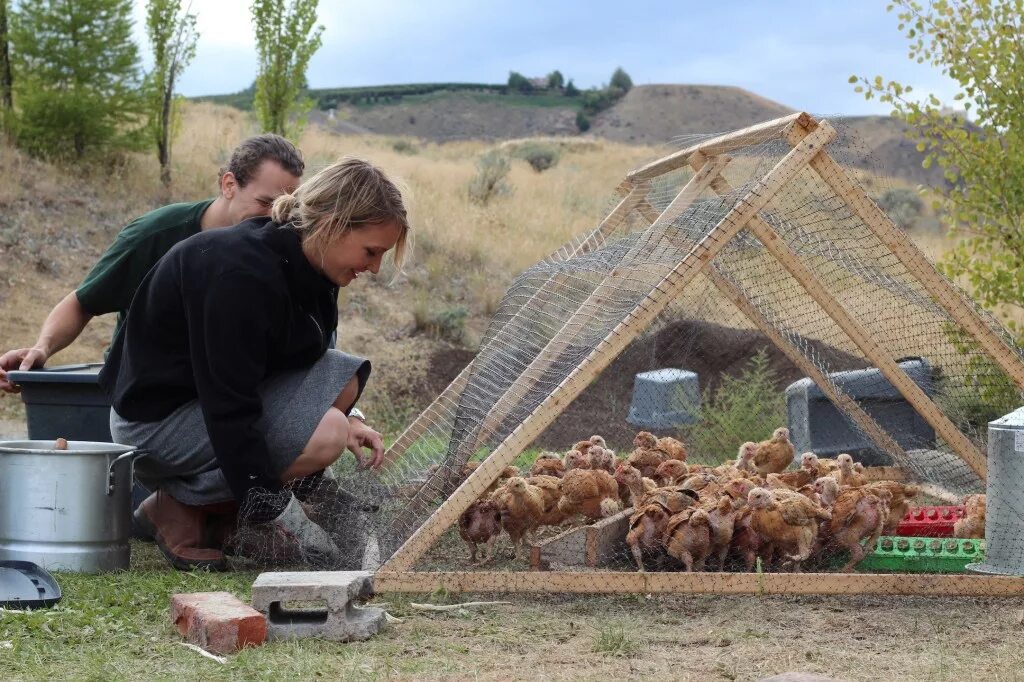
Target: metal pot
[{"x": 66, "y": 510}]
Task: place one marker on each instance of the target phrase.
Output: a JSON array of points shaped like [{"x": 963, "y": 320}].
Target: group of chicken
[{"x": 752, "y": 508}]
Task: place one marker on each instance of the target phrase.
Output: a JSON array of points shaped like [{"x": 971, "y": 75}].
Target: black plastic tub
[{"x": 65, "y": 402}]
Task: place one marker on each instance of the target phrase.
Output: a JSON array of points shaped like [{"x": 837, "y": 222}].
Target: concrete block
[
  {"x": 218, "y": 621},
  {"x": 333, "y": 615}
]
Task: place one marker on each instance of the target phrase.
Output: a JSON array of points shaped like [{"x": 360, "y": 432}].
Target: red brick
[{"x": 218, "y": 621}]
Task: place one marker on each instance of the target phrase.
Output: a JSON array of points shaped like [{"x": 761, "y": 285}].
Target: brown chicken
[
  {"x": 688, "y": 538},
  {"x": 631, "y": 484},
  {"x": 673, "y": 448},
  {"x": 551, "y": 489},
  {"x": 898, "y": 502},
  {"x": 574, "y": 459},
  {"x": 794, "y": 480},
  {"x": 816, "y": 465},
  {"x": 738, "y": 489},
  {"x": 827, "y": 489},
  {"x": 583, "y": 491},
  {"x": 480, "y": 523},
  {"x": 598, "y": 441},
  {"x": 858, "y": 514},
  {"x": 645, "y": 456},
  {"x": 522, "y": 508},
  {"x": 647, "y": 531},
  {"x": 745, "y": 457},
  {"x": 788, "y": 523},
  {"x": 748, "y": 543},
  {"x": 722, "y": 517},
  {"x": 972, "y": 525},
  {"x": 602, "y": 458},
  {"x": 548, "y": 464},
  {"x": 670, "y": 472},
  {"x": 774, "y": 455},
  {"x": 846, "y": 474},
  {"x": 705, "y": 484}
]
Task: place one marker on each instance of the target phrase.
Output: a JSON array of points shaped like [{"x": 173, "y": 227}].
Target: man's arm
[{"x": 62, "y": 326}]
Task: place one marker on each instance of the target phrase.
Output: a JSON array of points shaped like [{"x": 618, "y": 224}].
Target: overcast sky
[{"x": 800, "y": 54}]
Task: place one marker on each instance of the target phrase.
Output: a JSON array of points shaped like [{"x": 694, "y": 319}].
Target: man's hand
[
  {"x": 362, "y": 436},
  {"x": 19, "y": 359}
]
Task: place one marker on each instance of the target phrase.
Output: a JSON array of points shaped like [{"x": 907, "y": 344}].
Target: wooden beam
[
  {"x": 919, "y": 267},
  {"x": 864, "y": 340},
  {"x": 614, "y": 343},
  {"x": 723, "y": 144},
  {"x": 451, "y": 393},
  {"x": 696, "y": 186},
  {"x": 841, "y": 400},
  {"x": 607, "y": 582}
]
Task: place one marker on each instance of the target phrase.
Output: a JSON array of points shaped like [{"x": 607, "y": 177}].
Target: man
[{"x": 260, "y": 169}]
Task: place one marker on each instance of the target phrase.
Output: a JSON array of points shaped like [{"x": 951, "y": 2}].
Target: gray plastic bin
[
  {"x": 65, "y": 402},
  {"x": 664, "y": 399},
  {"x": 816, "y": 425}
]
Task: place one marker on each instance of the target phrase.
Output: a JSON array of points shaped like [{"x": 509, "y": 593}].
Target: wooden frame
[{"x": 809, "y": 139}]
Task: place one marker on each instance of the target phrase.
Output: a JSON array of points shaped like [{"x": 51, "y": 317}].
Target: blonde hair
[{"x": 347, "y": 195}]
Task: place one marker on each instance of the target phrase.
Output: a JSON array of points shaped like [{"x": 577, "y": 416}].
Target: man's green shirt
[{"x": 112, "y": 282}]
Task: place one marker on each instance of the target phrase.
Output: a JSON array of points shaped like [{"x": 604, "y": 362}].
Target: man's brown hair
[{"x": 247, "y": 157}]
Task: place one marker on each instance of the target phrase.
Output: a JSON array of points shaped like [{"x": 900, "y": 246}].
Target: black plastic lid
[
  {"x": 25, "y": 585},
  {"x": 63, "y": 374}
]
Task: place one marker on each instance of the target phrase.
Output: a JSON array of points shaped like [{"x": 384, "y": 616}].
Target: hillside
[{"x": 647, "y": 115}]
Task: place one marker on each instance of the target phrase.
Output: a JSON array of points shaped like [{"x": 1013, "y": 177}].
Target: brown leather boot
[{"x": 179, "y": 530}]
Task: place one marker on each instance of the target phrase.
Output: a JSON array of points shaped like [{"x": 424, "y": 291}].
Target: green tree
[
  {"x": 6, "y": 77},
  {"x": 172, "y": 35},
  {"x": 620, "y": 79},
  {"x": 78, "y": 79},
  {"x": 518, "y": 82},
  {"x": 286, "y": 40},
  {"x": 571, "y": 90},
  {"x": 979, "y": 45},
  {"x": 556, "y": 81}
]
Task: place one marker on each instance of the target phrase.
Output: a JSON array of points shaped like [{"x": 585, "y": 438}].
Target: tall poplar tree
[
  {"x": 286, "y": 39},
  {"x": 172, "y": 36}
]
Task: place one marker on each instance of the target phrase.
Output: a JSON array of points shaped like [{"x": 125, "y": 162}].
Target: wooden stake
[
  {"x": 601, "y": 356},
  {"x": 722, "y": 144},
  {"x": 604, "y": 582}
]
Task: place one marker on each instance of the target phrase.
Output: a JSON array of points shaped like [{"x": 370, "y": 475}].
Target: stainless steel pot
[{"x": 66, "y": 510}]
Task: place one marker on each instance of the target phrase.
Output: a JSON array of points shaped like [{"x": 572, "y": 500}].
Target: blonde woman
[{"x": 223, "y": 374}]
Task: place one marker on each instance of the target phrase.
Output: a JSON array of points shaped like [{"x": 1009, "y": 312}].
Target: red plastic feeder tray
[{"x": 930, "y": 522}]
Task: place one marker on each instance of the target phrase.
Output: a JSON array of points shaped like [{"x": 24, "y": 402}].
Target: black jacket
[{"x": 217, "y": 315}]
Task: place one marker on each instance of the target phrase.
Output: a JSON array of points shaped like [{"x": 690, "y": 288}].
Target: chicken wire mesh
[{"x": 644, "y": 397}]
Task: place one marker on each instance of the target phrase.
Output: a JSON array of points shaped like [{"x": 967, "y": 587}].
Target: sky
[{"x": 800, "y": 54}]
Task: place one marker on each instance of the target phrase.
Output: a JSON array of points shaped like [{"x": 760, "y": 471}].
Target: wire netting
[{"x": 644, "y": 397}]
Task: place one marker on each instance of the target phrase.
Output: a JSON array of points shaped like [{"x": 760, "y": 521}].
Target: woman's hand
[{"x": 362, "y": 436}]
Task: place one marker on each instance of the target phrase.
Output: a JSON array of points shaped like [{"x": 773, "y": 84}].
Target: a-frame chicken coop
[{"x": 767, "y": 228}]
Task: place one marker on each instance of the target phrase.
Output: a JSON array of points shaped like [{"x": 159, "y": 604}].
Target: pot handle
[{"x": 130, "y": 455}]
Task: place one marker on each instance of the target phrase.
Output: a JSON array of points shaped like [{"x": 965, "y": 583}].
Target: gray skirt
[{"x": 180, "y": 459}]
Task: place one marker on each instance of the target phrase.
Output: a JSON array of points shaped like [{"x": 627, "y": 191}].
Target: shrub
[
  {"x": 746, "y": 407},
  {"x": 489, "y": 181},
  {"x": 556, "y": 80},
  {"x": 404, "y": 147},
  {"x": 582, "y": 122},
  {"x": 445, "y": 323},
  {"x": 518, "y": 82},
  {"x": 571, "y": 90},
  {"x": 903, "y": 205},
  {"x": 620, "y": 79},
  {"x": 539, "y": 156}
]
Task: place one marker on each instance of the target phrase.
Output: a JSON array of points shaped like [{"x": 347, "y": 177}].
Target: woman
[{"x": 222, "y": 372}]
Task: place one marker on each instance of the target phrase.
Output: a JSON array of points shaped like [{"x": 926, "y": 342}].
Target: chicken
[
  {"x": 745, "y": 457},
  {"x": 845, "y": 474},
  {"x": 722, "y": 517},
  {"x": 705, "y": 484},
  {"x": 574, "y": 459},
  {"x": 548, "y": 464},
  {"x": 674, "y": 498},
  {"x": 583, "y": 490},
  {"x": 551, "y": 490},
  {"x": 646, "y": 457},
  {"x": 522, "y": 508},
  {"x": 602, "y": 458},
  {"x": 789, "y": 523},
  {"x": 898, "y": 501},
  {"x": 972, "y": 525},
  {"x": 774, "y": 455},
  {"x": 670, "y": 472},
  {"x": 858, "y": 514},
  {"x": 598, "y": 441},
  {"x": 582, "y": 446},
  {"x": 646, "y": 531},
  {"x": 816, "y": 465},
  {"x": 60, "y": 444},
  {"x": 506, "y": 473},
  {"x": 631, "y": 484},
  {"x": 738, "y": 489},
  {"x": 688, "y": 538},
  {"x": 747, "y": 542},
  {"x": 827, "y": 489},
  {"x": 480, "y": 523},
  {"x": 794, "y": 480},
  {"x": 672, "y": 448}
]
